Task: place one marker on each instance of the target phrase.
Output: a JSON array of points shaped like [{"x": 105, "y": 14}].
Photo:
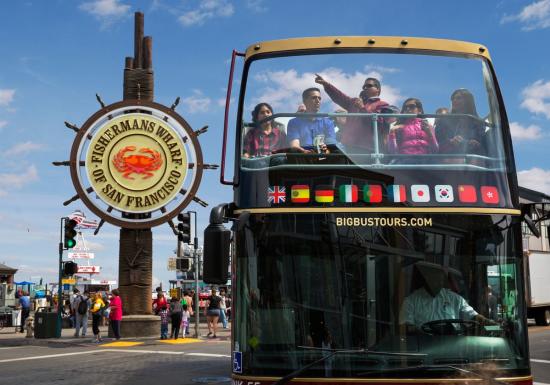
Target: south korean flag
[{"x": 444, "y": 193}]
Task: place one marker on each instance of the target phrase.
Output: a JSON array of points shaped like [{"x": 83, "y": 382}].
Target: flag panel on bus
[{"x": 348, "y": 193}]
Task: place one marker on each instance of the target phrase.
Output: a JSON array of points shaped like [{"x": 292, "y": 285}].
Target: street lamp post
[
  {"x": 196, "y": 261},
  {"x": 59, "y": 282}
]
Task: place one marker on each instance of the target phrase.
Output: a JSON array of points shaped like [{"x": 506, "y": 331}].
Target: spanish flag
[
  {"x": 324, "y": 194},
  {"x": 299, "y": 193}
]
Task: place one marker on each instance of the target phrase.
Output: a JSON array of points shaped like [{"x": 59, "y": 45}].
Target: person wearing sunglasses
[
  {"x": 412, "y": 135},
  {"x": 358, "y": 133},
  {"x": 463, "y": 134}
]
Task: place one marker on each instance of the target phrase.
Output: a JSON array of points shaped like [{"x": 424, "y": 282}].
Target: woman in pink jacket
[
  {"x": 412, "y": 136},
  {"x": 115, "y": 316}
]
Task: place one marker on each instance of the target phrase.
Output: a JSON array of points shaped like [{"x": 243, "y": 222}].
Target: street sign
[
  {"x": 103, "y": 282},
  {"x": 172, "y": 263},
  {"x": 89, "y": 269},
  {"x": 68, "y": 281},
  {"x": 81, "y": 255}
]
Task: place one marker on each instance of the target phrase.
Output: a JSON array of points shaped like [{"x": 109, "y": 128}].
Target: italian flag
[
  {"x": 324, "y": 194},
  {"x": 348, "y": 193}
]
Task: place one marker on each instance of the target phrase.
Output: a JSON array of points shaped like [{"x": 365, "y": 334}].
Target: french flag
[{"x": 397, "y": 193}]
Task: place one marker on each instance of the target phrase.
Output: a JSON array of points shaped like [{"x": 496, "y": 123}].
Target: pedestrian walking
[
  {"x": 212, "y": 312},
  {"x": 176, "y": 310},
  {"x": 81, "y": 305},
  {"x": 97, "y": 314},
  {"x": 188, "y": 299},
  {"x": 25, "y": 305},
  {"x": 184, "y": 320},
  {"x": 115, "y": 315},
  {"x": 163, "y": 313},
  {"x": 223, "y": 308}
]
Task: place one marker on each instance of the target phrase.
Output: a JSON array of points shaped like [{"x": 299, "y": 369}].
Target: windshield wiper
[
  {"x": 491, "y": 380},
  {"x": 334, "y": 352}
]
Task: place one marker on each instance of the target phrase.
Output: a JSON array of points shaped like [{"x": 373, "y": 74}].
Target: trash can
[{"x": 45, "y": 323}]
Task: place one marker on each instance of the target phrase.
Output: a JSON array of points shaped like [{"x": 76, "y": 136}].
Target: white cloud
[
  {"x": 207, "y": 9},
  {"x": 520, "y": 132},
  {"x": 536, "y": 98},
  {"x": 532, "y": 16},
  {"x": 18, "y": 179},
  {"x": 535, "y": 179},
  {"x": 196, "y": 102},
  {"x": 3, "y": 124},
  {"x": 381, "y": 69},
  {"x": 284, "y": 89},
  {"x": 107, "y": 11},
  {"x": 6, "y": 96},
  {"x": 22, "y": 148},
  {"x": 257, "y": 5}
]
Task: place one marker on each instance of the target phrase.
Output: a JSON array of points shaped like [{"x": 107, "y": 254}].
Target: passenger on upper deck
[
  {"x": 357, "y": 134},
  {"x": 412, "y": 136},
  {"x": 302, "y": 131},
  {"x": 461, "y": 135},
  {"x": 265, "y": 138}
]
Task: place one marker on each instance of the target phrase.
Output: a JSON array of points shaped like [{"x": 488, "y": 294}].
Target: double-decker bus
[{"x": 368, "y": 228}]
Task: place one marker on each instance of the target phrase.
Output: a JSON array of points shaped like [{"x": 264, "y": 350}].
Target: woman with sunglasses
[
  {"x": 461, "y": 134},
  {"x": 412, "y": 135}
]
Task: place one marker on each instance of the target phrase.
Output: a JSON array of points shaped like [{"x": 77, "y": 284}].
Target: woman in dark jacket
[{"x": 461, "y": 135}]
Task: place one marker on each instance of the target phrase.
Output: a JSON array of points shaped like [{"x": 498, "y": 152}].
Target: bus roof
[{"x": 396, "y": 43}]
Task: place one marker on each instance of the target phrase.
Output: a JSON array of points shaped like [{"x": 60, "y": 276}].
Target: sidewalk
[{"x": 9, "y": 337}]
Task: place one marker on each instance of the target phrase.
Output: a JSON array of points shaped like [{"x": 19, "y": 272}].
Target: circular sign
[
  {"x": 136, "y": 163},
  {"x": 141, "y": 160}
]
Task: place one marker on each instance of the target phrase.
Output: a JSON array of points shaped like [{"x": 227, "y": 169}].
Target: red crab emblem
[{"x": 135, "y": 163}]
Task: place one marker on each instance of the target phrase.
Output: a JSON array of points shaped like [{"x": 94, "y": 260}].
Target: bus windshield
[
  {"x": 403, "y": 118},
  {"x": 416, "y": 291}
]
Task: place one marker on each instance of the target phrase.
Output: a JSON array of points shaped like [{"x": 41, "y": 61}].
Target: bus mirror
[{"x": 216, "y": 254}]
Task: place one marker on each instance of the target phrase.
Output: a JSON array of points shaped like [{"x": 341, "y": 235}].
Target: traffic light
[
  {"x": 70, "y": 268},
  {"x": 184, "y": 227},
  {"x": 183, "y": 264},
  {"x": 69, "y": 240}
]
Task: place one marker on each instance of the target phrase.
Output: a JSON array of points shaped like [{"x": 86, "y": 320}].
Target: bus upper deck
[{"x": 419, "y": 119}]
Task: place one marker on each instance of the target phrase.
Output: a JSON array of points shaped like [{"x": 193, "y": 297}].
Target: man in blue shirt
[
  {"x": 302, "y": 131},
  {"x": 25, "y": 304}
]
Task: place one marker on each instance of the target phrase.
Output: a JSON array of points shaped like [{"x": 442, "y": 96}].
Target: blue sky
[{"x": 57, "y": 54}]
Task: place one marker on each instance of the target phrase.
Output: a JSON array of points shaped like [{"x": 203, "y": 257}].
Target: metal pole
[
  {"x": 59, "y": 291},
  {"x": 196, "y": 261}
]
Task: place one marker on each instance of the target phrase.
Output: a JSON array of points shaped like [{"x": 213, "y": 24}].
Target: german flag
[
  {"x": 324, "y": 194},
  {"x": 299, "y": 193}
]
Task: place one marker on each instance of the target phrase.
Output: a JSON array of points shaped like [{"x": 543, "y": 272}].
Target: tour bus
[{"x": 370, "y": 215}]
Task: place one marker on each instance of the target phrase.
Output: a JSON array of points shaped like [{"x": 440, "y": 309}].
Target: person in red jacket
[
  {"x": 115, "y": 316},
  {"x": 358, "y": 133}
]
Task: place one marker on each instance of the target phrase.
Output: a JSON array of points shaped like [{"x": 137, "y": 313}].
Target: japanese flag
[{"x": 420, "y": 193}]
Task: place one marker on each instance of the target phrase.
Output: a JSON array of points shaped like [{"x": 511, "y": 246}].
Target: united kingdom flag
[{"x": 276, "y": 194}]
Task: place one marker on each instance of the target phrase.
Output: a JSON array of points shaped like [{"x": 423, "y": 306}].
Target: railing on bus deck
[
  {"x": 234, "y": 54},
  {"x": 377, "y": 155}
]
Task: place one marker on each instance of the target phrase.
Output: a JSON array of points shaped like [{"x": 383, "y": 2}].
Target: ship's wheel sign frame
[{"x": 136, "y": 164}]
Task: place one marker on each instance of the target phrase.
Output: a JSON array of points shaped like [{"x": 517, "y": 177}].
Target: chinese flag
[{"x": 467, "y": 193}]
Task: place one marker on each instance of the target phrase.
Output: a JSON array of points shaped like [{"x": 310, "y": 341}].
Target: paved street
[
  {"x": 150, "y": 361},
  {"x": 133, "y": 361}
]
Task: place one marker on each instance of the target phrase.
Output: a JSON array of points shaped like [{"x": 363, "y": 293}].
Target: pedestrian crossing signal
[{"x": 69, "y": 240}]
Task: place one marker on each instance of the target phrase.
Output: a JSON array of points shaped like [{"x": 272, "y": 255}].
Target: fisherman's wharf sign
[
  {"x": 139, "y": 158},
  {"x": 136, "y": 163}
]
